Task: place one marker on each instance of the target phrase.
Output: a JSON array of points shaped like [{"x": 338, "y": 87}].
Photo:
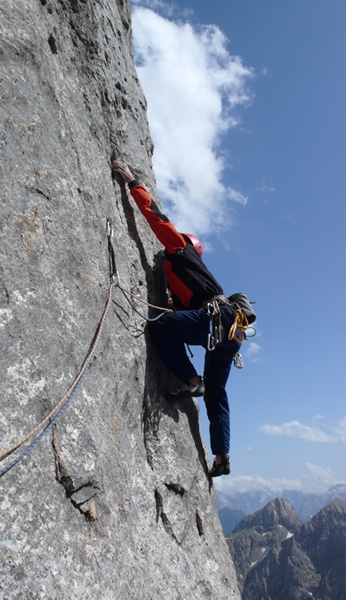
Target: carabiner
[
  {"x": 213, "y": 308},
  {"x": 238, "y": 361},
  {"x": 211, "y": 342}
]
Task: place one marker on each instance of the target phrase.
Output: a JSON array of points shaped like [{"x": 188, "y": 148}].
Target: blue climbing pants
[{"x": 170, "y": 333}]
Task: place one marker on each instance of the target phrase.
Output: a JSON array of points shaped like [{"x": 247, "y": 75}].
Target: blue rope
[
  {"x": 45, "y": 430},
  {"x": 63, "y": 407}
]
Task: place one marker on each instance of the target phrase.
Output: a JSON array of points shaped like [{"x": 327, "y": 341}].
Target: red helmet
[{"x": 192, "y": 239}]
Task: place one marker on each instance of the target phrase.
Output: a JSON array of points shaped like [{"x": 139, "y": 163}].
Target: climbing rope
[
  {"x": 240, "y": 323},
  {"x": 64, "y": 401},
  {"x": 51, "y": 418},
  {"x": 163, "y": 310},
  {"x": 114, "y": 276},
  {"x": 43, "y": 433}
]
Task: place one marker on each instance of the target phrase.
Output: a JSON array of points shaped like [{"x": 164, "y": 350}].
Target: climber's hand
[{"x": 123, "y": 170}]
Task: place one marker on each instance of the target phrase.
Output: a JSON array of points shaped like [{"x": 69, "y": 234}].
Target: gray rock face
[
  {"x": 114, "y": 501},
  {"x": 277, "y": 558}
]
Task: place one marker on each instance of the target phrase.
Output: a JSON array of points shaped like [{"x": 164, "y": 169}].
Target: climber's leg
[{"x": 170, "y": 334}]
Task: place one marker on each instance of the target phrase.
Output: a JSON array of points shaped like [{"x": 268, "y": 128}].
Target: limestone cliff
[{"x": 114, "y": 501}]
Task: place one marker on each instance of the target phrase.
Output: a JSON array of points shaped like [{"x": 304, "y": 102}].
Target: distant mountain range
[
  {"x": 233, "y": 508},
  {"x": 279, "y": 558}
]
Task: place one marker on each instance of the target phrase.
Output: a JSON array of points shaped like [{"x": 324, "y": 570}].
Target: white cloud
[
  {"x": 320, "y": 477},
  {"x": 298, "y": 430},
  {"x": 194, "y": 88},
  {"x": 253, "y": 351},
  {"x": 340, "y": 431},
  {"x": 337, "y": 433},
  {"x": 244, "y": 483},
  {"x": 313, "y": 479},
  {"x": 317, "y": 418}
]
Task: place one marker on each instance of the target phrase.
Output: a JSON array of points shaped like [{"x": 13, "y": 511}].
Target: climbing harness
[
  {"x": 216, "y": 331},
  {"x": 51, "y": 418},
  {"x": 240, "y": 324}
]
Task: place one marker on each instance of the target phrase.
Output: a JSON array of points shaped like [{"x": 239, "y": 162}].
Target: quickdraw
[{"x": 216, "y": 330}]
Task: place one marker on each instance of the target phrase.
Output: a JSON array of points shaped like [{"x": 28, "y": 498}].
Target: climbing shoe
[
  {"x": 186, "y": 391},
  {"x": 222, "y": 469}
]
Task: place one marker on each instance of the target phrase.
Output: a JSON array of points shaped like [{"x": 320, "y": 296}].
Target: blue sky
[{"x": 246, "y": 106}]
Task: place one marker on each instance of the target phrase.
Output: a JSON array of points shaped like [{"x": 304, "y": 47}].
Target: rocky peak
[
  {"x": 332, "y": 515},
  {"x": 323, "y": 539},
  {"x": 328, "y": 524},
  {"x": 278, "y": 512},
  {"x": 256, "y": 542},
  {"x": 306, "y": 562}
]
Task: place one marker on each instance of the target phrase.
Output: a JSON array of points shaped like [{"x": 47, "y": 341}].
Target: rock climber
[{"x": 193, "y": 288}]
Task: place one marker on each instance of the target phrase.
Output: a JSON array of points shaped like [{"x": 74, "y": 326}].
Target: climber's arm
[{"x": 164, "y": 230}]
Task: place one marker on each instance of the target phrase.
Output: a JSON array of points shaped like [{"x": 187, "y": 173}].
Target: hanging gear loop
[{"x": 216, "y": 332}]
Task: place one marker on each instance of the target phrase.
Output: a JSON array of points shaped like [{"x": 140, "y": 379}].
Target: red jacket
[{"x": 190, "y": 282}]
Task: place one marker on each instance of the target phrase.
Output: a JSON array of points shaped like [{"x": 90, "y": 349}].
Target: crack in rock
[
  {"x": 199, "y": 523},
  {"x": 83, "y": 497},
  {"x": 176, "y": 488},
  {"x": 160, "y": 514}
]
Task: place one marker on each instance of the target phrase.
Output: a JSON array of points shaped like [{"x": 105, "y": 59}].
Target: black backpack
[{"x": 240, "y": 301}]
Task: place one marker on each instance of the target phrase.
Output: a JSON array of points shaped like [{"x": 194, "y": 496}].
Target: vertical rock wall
[{"x": 114, "y": 501}]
